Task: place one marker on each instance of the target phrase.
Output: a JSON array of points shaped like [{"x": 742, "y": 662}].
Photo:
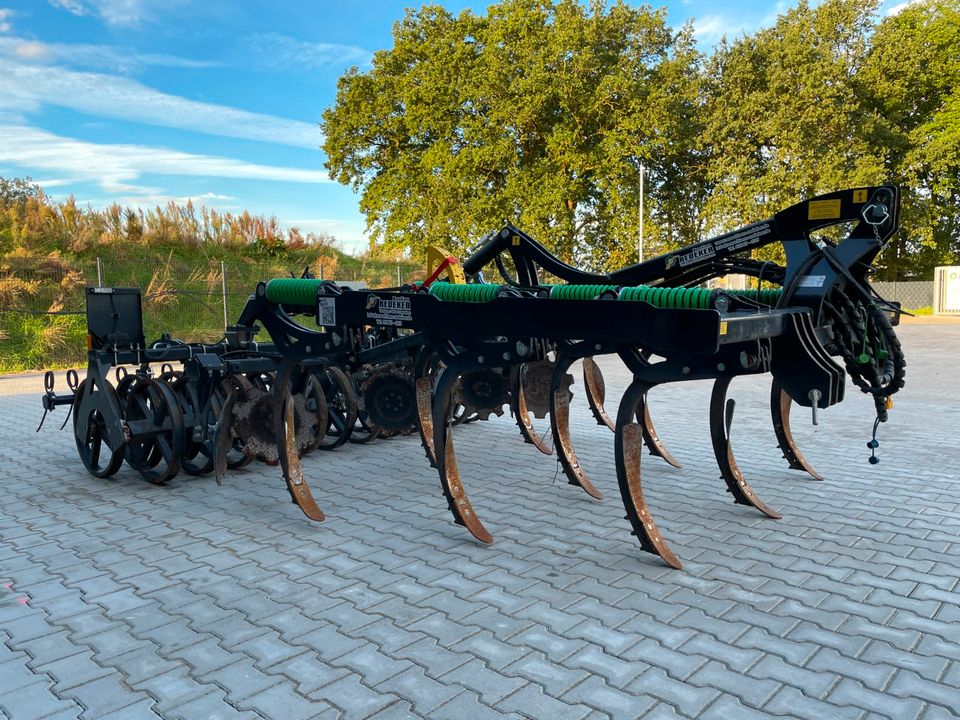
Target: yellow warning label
[
  {"x": 515, "y": 239},
  {"x": 723, "y": 327},
  {"x": 823, "y": 210},
  {"x": 860, "y": 196}
]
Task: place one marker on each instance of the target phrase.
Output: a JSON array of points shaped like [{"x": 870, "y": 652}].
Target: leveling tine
[
  {"x": 284, "y": 426},
  {"x": 780, "y": 403},
  {"x": 560, "y": 424},
  {"x": 522, "y": 414}
]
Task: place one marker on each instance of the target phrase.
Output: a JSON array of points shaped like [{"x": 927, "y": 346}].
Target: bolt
[
  {"x": 506, "y": 356},
  {"x": 685, "y": 370},
  {"x": 721, "y": 366},
  {"x": 480, "y": 359},
  {"x": 814, "y": 396}
]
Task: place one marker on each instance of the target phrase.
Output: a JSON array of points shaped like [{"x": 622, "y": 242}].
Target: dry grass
[{"x": 13, "y": 291}]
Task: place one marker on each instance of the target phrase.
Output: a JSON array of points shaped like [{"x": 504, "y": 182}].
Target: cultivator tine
[
  {"x": 596, "y": 392},
  {"x": 285, "y": 432},
  {"x": 721, "y": 418},
  {"x": 780, "y": 403},
  {"x": 522, "y": 414},
  {"x": 423, "y": 390},
  {"x": 560, "y": 424},
  {"x": 652, "y": 440},
  {"x": 223, "y": 438},
  {"x": 457, "y": 500},
  {"x": 628, "y": 451}
]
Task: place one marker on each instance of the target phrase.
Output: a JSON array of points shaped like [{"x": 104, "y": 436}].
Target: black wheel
[
  {"x": 197, "y": 458},
  {"x": 90, "y": 432},
  {"x": 156, "y": 423},
  {"x": 341, "y": 408}
]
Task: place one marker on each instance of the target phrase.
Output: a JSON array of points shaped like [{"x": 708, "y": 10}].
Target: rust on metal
[
  {"x": 423, "y": 389},
  {"x": 289, "y": 459},
  {"x": 463, "y": 510},
  {"x": 522, "y": 412},
  {"x": 629, "y": 451},
  {"x": 223, "y": 436},
  {"x": 560, "y": 423},
  {"x": 721, "y": 419},
  {"x": 652, "y": 439},
  {"x": 596, "y": 392},
  {"x": 780, "y": 404}
]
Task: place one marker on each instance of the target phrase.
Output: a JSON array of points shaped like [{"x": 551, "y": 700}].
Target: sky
[{"x": 140, "y": 102}]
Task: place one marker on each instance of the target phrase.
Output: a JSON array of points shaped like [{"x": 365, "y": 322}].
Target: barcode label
[{"x": 327, "y": 311}]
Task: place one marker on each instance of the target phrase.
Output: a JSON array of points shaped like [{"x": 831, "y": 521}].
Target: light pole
[{"x": 640, "y": 221}]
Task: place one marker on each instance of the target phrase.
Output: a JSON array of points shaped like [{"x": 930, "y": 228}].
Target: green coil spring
[
  {"x": 766, "y": 296},
  {"x": 666, "y": 297},
  {"x": 293, "y": 291},
  {"x": 472, "y": 292},
  {"x": 579, "y": 292}
]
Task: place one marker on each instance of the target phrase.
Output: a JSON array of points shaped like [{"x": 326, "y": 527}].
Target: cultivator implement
[{"x": 425, "y": 357}]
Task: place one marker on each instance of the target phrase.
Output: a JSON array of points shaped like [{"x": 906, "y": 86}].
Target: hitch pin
[{"x": 814, "y": 396}]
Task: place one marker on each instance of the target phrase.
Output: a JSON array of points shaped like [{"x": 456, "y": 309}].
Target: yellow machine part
[{"x": 454, "y": 270}]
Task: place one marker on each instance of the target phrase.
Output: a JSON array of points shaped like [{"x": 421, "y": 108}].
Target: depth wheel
[
  {"x": 154, "y": 417},
  {"x": 90, "y": 432}
]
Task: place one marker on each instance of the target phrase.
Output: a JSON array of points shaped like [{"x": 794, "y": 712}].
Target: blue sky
[{"x": 144, "y": 101}]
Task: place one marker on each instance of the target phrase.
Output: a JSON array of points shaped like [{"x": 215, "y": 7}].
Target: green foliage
[
  {"x": 540, "y": 111},
  {"x": 537, "y": 113}
]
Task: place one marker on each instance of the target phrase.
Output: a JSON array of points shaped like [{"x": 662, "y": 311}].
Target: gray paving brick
[
  {"x": 851, "y": 693},
  {"x": 143, "y": 710},
  {"x": 492, "y": 686},
  {"x": 72, "y": 671},
  {"x": 143, "y": 664},
  {"x": 752, "y": 690},
  {"x": 493, "y": 652},
  {"x": 372, "y": 664},
  {"x": 241, "y": 679},
  {"x": 530, "y": 701},
  {"x": 35, "y": 701},
  {"x": 425, "y": 693},
  {"x": 908, "y": 684},
  {"x": 282, "y": 701},
  {"x": 791, "y": 702},
  {"x": 353, "y": 698},
  {"x": 616, "y": 672},
  {"x": 595, "y": 693},
  {"x": 104, "y": 695},
  {"x": 553, "y": 677},
  {"x": 210, "y": 706},
  {"x": 871, "y": 675},
  {"x": 467, "y": 705}
]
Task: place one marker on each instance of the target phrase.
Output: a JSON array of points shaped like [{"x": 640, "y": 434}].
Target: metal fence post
[
  {"x": 226, "y": 309},
  {"x": 99, "y": 272}
]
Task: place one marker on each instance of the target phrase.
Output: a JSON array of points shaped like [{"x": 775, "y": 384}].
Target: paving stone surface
[{"x": 120, "y": 599}]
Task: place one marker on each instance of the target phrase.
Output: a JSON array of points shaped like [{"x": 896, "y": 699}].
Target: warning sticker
[
  {"x": 723, "y": 327},
  {"x": 327, "y": 311},
  {"x": 860, "y": 196},
  {"x": 390, "y": 311},
  {"x": 823, "y": 210}
]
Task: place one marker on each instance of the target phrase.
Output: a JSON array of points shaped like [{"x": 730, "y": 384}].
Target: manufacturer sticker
[
  {"x": 811, "y": 281},
  {"x": 823, "y": 210},
  {"x": 327, "y": 311},
  {"x": 703, "y": 252},
  {"x": 389, "y": 311}
]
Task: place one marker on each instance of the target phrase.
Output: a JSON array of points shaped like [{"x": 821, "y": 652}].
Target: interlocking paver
[{"x": 187, "y": 602}]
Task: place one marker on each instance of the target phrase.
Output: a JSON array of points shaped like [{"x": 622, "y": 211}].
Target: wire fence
[{"x": 43, "y": 313}]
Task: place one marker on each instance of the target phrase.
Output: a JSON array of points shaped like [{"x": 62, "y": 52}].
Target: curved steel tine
[
  {"x": 652, "y": 440},
  {"x": 560, "y": 424},
  {"x": 628, "y": 450},
  {"x": 596, "y": 392},
  {"x": 284, "y": 429},
  {"x": 450, "y": 481},
  {"x": 522, "y": 415},
  {"x": 780, "y": 404},
  {"x": 222, "y": 437},
  {"x": 721, "y": 418},
  {"x": 423, "y": 389}
]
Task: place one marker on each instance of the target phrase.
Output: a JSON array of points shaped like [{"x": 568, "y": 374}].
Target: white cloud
[
  {"x": 712, "y": 28},
  {"x": 122, "y": 13},
  {"x": 899, "y": 7},
  {"x": 5, "y": 15},
  {"x": 27, "y": 88},
  {"x": 114, "y": 167},
  {"x": 103, "y": 57},
  {"x": 282, "y": 52}
]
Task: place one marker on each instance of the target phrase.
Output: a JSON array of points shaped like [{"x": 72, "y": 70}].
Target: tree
[
  {"x": 785, "y": 118},
  {"x": 538, "y": 113},
  {"x": 911, "y": 78}
]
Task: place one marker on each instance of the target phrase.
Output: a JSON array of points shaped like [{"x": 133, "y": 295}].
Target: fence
[
  {"x": 42, "y": 305},
  {"x": 912, "y": 294}
]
